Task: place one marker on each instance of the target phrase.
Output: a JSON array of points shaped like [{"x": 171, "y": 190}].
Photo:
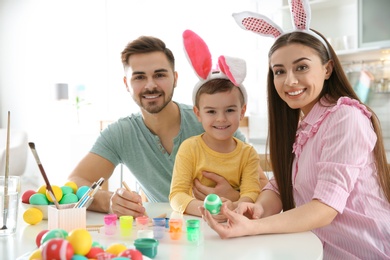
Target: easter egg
[
  {"x": 69, "y": 198},
  {"x": 32, "y": 216},
  {"x": 213, "y": 203},
  {"x": 133, "y": 254},
  {"x": 73, "y": 185},
  {"x": 42, "y": 189},
  {"x": 94, "y": 252},
  {"x": 38, "y": 199},
  {"x": 81, "y": 240},
  {"x": 97, "y": 244},
  {"x": 116, "y": 248},
  {"x": 38, "y": 238},
  {"x": 80, "y": 257},
  {"x": 57, "y": 193},
  {"x": 105, "y": 255},
  {"x": 26, "y": 195},
  {"x": 66, "y": 190},
  {"x": 36, "y": 254},
  {"x": 57, "y": 248},
  {"x": 54, "y": 233},
  {"x": 81, "y": 191}
]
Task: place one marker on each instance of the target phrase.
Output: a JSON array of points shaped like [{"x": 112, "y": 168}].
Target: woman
[{"x": 328, "y": 158}]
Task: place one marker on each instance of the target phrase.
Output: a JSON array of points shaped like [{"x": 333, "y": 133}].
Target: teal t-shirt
[{"x": 130, "y": 142}]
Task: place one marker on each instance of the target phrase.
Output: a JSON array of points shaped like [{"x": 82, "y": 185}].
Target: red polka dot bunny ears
[
  {"x": 200, "y": 59},
  {"x": 260, "y": 24}
]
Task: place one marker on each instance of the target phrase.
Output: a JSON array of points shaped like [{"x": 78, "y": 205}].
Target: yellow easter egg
[
  {"x": 35, "y": 255},
  {"x": 81, "y": 241},
  {"x": 42, "y": 189},
  {"x": 116, "y": 248},
  {"x": 32, "y": 216},
  {"x": 57, "y": 193},
  {"x": 72, "y": 185}
]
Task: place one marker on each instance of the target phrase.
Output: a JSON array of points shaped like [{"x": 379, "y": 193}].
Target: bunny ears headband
[
  {"x": 260, "y": 24},
  {"x": 199, "y": 56}
]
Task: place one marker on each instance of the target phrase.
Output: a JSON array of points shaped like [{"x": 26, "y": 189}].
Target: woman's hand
[
  {"x": 250, "y": 210},
  {"x": 237, "y": 225},
  {"x": 125, "y": 203}
]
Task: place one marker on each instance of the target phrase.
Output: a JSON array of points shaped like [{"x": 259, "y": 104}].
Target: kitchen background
[{"x": 61, "y": 75}]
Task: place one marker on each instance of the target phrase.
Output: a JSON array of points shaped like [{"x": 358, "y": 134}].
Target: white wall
[{"x": 44, "y": 42}]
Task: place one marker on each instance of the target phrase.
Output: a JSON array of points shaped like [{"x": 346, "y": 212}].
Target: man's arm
[
  {"x": 222, "y": 188},
  {"x": 89, "y": 170}
]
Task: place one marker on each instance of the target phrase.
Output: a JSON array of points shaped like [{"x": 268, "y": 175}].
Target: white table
[{"x": 303, "y": 245}]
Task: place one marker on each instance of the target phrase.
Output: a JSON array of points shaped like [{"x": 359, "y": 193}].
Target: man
[{"x": 146, "y": 142}]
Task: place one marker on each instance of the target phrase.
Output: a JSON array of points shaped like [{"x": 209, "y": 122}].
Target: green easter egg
[
  {"x": 54, "y": 233},
  {"x": 38, "y": 199},
  {"x": 66, "y": 190},
  {"x": 213, "y": 203},
  {"x": 97, "y": 244},
  {"x": 69, "y": 198}
]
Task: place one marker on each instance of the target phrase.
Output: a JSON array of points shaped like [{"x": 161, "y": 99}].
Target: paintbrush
[
  {"x": 6, "y": 174},
  {"x": 48, "y": 186}
]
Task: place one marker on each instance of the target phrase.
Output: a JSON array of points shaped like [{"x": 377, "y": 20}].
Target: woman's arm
[{"x": 304, "y": 218}]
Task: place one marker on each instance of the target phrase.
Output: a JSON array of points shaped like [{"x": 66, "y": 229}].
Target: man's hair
[
  {"x": 146, "y": 44},
  {"x": 217, "y": 86}
]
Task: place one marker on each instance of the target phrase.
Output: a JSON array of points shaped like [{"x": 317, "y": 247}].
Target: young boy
[{"x": 219, "y": 104}]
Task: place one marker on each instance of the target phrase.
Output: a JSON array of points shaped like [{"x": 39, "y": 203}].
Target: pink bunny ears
[
  {"x": 199, "y": 56},
  {"x": 260, "y": 24}
]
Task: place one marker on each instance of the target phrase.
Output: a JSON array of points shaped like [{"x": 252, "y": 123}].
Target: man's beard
[{"x": 152, "y": 107}]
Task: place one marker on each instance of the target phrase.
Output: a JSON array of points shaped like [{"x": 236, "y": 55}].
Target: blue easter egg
[{"x": 81, "y": 191}]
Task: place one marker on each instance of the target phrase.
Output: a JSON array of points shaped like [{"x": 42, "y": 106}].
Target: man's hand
[
  {"x": 222, "y": 188},
  {"x": 125, "y": 203}
]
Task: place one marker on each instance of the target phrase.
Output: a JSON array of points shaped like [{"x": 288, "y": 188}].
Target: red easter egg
[
  {"x": 26, "y": 196},
  {"x": 39, "y": 237},
  {"x": 133, "y": 254},
  {"x": 57, "y": 248},
  {"x": 94, "y": 252},
  {"x": 105, "y": 255}
]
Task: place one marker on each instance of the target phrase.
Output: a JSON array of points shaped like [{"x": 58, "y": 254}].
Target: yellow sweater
[{"x": 239, "y": 168}]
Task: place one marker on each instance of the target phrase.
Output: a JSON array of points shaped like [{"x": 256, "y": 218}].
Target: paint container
[
  {"x": 142, "y": 222},
  {"x": 193, "y": 230},
  {"x": 110, "y": 224},
  {"x": 147, "y": 246},
  {"x": 175, "y": 228},
  {"x": 126, "y": 225},
  {"x": 158, "y": 227},
  {"x": 145, "y": 233}
]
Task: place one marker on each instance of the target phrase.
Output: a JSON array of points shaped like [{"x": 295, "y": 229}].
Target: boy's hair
[
  {"x": 146, "y": 44},
  {"x": 217, "y": 85}
]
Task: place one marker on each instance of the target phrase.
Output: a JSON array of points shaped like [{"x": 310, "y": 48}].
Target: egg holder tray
[{"x": 66, "y": 217}]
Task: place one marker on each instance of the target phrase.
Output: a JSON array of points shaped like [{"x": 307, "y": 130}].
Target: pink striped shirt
[{"x": 334, "y": 164}]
